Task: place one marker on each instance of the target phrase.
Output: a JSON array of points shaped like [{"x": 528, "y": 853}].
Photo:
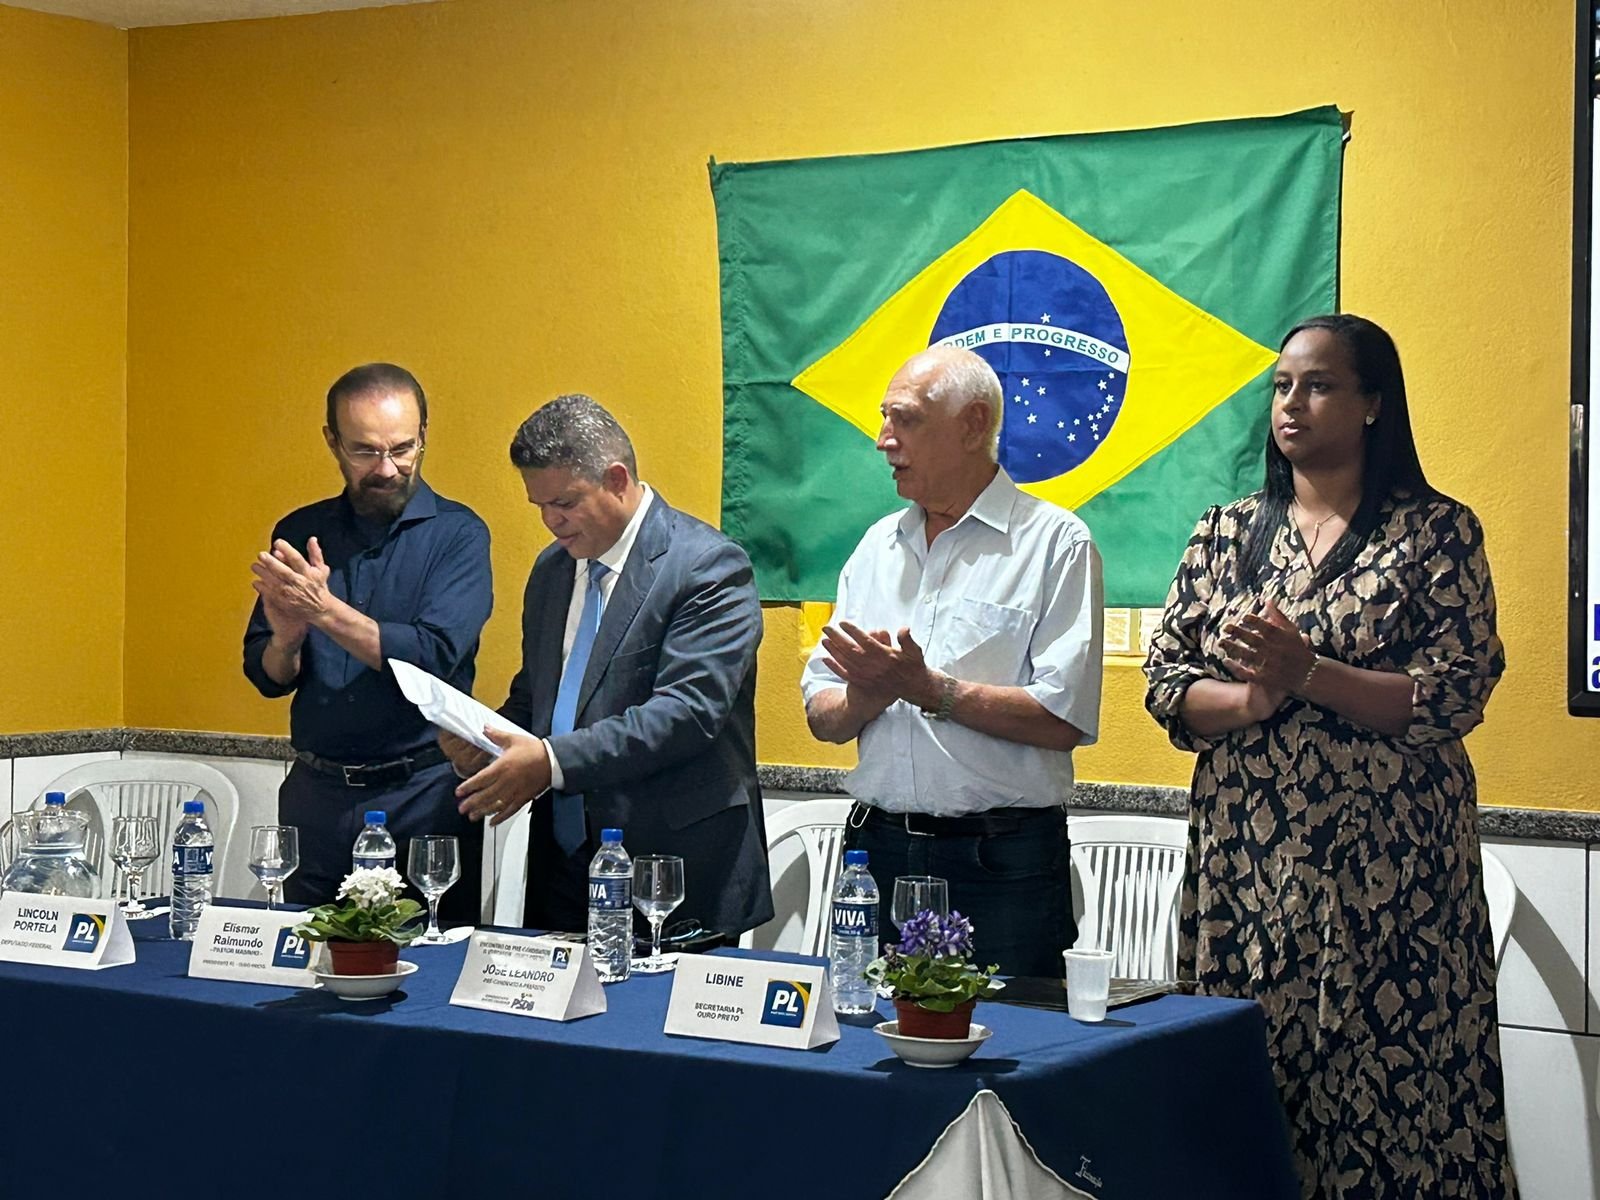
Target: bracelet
[
  {"x": 1316, "y": 661},
  {"x": 947, "y": 701}
]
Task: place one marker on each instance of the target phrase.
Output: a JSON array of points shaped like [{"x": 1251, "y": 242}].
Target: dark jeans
[
  {"x": 557, "y": 896},
  {"x": 1015, "y": 888},
  {"x": 329, "y": 815}
]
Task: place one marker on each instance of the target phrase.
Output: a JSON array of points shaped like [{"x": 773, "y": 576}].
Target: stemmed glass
[
  {"x": 657, "y": 890},
  {"x": 913, "y": 893},
  {"x": 274, "y": 856},
  {"x": 134, "y": 846},
  {"x": 434, "y": 863}
]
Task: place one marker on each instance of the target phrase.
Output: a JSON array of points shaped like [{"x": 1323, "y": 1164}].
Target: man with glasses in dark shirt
[{"x": 386, "y": 569}]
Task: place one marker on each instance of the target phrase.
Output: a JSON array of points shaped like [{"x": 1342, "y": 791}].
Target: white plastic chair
[
  {"x": 1129, "y": 871},
  {"x": 1500, "y": 890},
  {"x": 819, "y": 824},
  {"x": 151, "y": 788}
]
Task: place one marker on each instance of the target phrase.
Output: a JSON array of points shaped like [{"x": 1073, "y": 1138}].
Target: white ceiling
[{"x": 130, "y": 14}]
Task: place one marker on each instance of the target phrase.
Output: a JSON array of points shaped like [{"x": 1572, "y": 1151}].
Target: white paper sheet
[{"x": 451, "y": 710}]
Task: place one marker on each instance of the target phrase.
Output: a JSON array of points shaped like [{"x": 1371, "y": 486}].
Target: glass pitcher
[{"x": 50, "y": 859}]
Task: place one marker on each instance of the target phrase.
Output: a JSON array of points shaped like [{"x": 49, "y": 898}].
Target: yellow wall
[
  {"x": 63, "y": 343},
  {"x": 511, "y": 198}
]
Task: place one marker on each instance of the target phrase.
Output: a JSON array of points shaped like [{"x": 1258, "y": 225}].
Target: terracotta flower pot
[
  {"x": 916, "y": 1021},
  {"x": 364, "y": 958}
]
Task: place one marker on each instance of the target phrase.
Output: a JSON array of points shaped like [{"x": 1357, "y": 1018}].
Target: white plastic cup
[{"x": 1088, "y": 983}]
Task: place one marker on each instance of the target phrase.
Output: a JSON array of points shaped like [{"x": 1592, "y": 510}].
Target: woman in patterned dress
[{"x": 1326, "y": 645}]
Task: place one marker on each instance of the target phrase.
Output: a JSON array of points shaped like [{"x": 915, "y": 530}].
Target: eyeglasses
[{"x": 402, "y": 456}]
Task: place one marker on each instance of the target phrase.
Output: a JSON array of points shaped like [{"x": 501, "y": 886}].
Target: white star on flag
[
  {"x": 1024, "y": 383},
  {"x": 1102, "y": 385},
  {"x": 1032, "y": 417},
  {"x": 1045, "y": 317}
]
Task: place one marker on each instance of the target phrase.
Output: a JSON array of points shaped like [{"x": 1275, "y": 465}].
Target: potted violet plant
[
  {"x": 368, "y": 925},
  {"x": 931, "y": 976}
]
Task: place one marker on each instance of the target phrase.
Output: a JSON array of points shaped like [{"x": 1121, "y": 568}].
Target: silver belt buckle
[
  {"x": 350, "y": 782},
  {"x": 905, "y": 819}
]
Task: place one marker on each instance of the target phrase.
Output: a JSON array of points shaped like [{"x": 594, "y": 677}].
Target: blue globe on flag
[{"x": 1052, "y": 335}]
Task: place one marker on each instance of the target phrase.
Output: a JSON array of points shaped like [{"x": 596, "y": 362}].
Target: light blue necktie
[{"x": 566, "y": 808}]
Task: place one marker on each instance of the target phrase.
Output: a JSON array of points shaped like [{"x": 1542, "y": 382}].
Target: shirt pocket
[{"x": 987, "y": 643}]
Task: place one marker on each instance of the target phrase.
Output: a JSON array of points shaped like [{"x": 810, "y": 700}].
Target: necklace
[{"x": 1316, "y": 525}]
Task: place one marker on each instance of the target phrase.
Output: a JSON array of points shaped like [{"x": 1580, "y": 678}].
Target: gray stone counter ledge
[{"x": 1533, "y": 824}]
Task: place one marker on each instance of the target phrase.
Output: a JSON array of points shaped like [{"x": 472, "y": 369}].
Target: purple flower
[
  {"x": 955, "y": 935},
  {"x": 921, "y": 934}
]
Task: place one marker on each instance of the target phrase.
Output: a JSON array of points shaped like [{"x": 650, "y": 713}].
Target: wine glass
[
  {"x": 274, "y": 856},
  {"x": 434, "y": 863},
  {"x": 134, "y": 846},
  {"x": 913, "y": 893},
  {"x": 657, "y": 890}
]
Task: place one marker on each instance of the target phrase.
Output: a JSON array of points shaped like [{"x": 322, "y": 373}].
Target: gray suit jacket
[{"x": 664, "y": 740}]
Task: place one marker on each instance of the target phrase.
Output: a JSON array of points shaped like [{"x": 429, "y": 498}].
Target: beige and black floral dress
[{"x": 1334, "y": 872}]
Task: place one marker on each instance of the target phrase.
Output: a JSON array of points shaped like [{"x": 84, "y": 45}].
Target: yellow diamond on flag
[{"x": 1102, "y": 365}]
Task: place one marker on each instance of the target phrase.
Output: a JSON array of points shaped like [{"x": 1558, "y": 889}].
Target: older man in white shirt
[{"x": 965, "y": 655}]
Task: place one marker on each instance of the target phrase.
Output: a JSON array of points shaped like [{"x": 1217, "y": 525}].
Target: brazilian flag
[{"x": 1129, "y": 289}]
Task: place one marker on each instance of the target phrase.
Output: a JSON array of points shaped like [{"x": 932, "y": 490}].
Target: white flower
[{"x": 372, "y": 886}]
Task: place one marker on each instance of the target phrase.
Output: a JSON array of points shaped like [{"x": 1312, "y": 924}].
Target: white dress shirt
[
  {"x": 616, "y": 558},
  {"x": 1009, "y": 595}
]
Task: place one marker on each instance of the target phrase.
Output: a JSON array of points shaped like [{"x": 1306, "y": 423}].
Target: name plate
[
  {"x": 543, "y": 977},
  {"x": 60, "y": 931},
  {"x": 752, "y": 1000},
  {"x": 251, "y": 945}
]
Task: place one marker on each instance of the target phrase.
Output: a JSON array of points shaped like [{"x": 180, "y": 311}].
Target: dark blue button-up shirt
[{"x": 424, "y": 579}]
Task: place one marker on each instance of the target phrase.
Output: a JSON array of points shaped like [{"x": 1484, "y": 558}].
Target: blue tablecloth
[{"x": 192, "y": 1088}]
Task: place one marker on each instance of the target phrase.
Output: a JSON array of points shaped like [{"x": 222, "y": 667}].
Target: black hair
[
  {"x": 1389, "y": 453},
  {"x": 574, "y": 432},
  {"x": 371, "y": 379}
]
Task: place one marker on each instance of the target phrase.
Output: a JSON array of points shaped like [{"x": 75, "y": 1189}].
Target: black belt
[
  {"x": 996, "y": 820},
  {"x": 381, "y": 774}
]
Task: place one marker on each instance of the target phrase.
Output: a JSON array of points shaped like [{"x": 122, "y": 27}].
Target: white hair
[{"x": 960, "y": 378}]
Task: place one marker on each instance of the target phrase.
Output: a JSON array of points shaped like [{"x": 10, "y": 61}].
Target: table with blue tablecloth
[{"x": 147, "y": 1082}]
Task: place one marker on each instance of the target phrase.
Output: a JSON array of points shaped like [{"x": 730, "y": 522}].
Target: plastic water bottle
[
  {"x": 374, "y": 846},
  {"x": 853, "y": 943},
  {"x": 191, "y": 870},
  {"x": 611, "y": 908}
]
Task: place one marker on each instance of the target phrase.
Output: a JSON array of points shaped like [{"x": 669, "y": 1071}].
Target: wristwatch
[{"x": 947, "y": 700}]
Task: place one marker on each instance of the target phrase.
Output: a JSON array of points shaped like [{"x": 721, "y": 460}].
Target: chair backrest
[
  {"x": 1129, "y": 871},
  {"x": 819, "y": 824},
  {"x": 1500, "y": 890},
  {"x": 151, "y": 788}
]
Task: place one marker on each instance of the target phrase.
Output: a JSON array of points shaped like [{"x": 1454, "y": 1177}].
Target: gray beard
[{"x": 382, "y": 505}]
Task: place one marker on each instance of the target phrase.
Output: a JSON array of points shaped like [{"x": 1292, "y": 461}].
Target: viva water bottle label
[
  {"x": 855, "y": 920},
  {"x": 608, "y": 892},
  {"x": 372, "y": 861},
  {"x": 191, "y": 860}
]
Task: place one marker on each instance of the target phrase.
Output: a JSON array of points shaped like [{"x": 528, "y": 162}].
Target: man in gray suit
[{"x": 639, "y": 634}]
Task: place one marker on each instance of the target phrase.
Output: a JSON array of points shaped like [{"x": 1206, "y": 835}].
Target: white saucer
[
  {"x": 366, "y": 987},
  {"x": 931, "y": 1052}
]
